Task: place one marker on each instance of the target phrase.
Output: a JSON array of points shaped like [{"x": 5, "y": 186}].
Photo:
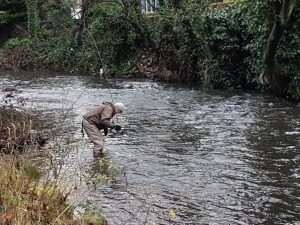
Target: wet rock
[
  {"x": 10, "y": 89},
  {"x": 9, "y": 95}
]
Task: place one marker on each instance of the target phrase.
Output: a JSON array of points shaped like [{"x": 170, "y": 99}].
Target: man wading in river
[{"x": 99, "y": 118}]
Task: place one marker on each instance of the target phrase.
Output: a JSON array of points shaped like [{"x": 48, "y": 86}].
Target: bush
[
  {"x": 111, "y": 36},
  {"x": 16, "y": 42}
]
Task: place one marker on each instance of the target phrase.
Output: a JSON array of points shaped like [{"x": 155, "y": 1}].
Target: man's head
[{"x": 119, "y": 107}]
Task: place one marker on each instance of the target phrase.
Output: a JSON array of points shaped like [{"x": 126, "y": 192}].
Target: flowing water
[{"x": 188, "y": 156}]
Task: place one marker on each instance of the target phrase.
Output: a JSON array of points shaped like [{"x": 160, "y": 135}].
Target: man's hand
[{"x": 118, "y": 127}]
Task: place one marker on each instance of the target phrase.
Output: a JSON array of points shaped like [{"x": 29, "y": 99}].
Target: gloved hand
[
  {"x": 105, "y": 131},
  {"x": 117, "y": 127}
]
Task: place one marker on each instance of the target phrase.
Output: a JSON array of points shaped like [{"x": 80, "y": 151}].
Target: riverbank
[
  {"x": 28, "y": 195},
  {"x": 25, "y": 56},
  {"x": 18, "y": 58},
  {"x": 25, "y": 198}
]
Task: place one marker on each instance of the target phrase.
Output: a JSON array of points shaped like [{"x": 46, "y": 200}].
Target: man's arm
[
  {"x": 106, "y": 116},
  {"x": 106, "y": 123}
]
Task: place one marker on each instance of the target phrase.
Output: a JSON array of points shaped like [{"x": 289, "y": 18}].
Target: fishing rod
[
  {"x": 101, "y": 72},
  {"x": 101, "y": 61}
]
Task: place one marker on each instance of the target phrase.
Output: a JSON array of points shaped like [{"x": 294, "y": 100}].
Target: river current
[{"x": 188, "y": 156}]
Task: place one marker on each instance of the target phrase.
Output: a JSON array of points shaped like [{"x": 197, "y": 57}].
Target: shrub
[{"x": 16, "y": 42}]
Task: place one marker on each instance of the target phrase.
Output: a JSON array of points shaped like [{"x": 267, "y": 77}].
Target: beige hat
[{"x": 120, "y": 106}]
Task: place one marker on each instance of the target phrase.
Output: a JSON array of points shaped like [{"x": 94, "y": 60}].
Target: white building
[
  {"x": 149, "y": 6},
  {"x": 76, "y": 8}
]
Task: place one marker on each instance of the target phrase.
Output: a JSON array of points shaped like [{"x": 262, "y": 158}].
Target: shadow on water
[{"x": 209, "y": 157}]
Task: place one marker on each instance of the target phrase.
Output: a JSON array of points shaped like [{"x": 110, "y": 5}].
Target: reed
[
  {"x": 28, "y": 195},
  {"x": 19, "y": 131}
]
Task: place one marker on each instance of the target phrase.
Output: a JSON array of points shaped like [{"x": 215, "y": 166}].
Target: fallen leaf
[
  {"x": 9, "y": 216},
  {"x": 172, "y": 214}
]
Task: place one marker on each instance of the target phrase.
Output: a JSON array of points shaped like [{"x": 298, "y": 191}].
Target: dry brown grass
[
  {"x": 27, "y": 197},
  {"x": 27, "y": 200},
  {"x": 19, "y": 131},
  {"x": 24, "y": 199}
]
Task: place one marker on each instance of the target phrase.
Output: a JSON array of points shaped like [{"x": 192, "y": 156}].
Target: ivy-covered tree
[
  {"x": 33, "y": 17},
  {"x": 273, "y": 72}
]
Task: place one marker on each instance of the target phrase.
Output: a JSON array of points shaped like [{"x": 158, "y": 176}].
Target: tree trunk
[
  {"x": 273, "y": 73},
  {"x": 33, "y": 17}
]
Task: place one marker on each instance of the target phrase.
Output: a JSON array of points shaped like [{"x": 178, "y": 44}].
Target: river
[{"x": 188, "y": 156}]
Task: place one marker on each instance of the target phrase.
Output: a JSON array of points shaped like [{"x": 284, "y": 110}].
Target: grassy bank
[
  {"x": 28, "y": 195},
  {"x": 25, "y": 198}
]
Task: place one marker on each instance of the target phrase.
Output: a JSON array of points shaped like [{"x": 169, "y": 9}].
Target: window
[
  {"x": 76, "y": 9},
  {"x": 149, "y": 6}
]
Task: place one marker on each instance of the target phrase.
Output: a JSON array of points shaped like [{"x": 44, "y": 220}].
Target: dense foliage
[
  {"x": 11, "y": 13},
  {"x": 212, "y": 44}
]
